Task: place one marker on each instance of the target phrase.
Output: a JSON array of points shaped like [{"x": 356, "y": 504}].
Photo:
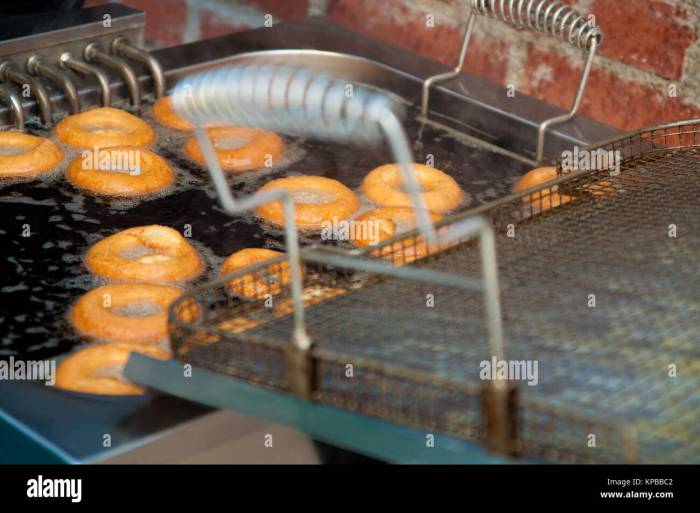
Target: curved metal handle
[
  {"x": 93, "y": 53},
  {"x": 67, "y": 61},
  {"x": 10, "y": 71},
  {"x": 551, "y": 17},
  {"x": 37, "y": 66},
  {"x": 121, "y": 46},
  {"x": 15, "y": 103}
]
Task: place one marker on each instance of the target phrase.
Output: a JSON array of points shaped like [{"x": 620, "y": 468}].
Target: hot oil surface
[{"x": 47, "y": 225}]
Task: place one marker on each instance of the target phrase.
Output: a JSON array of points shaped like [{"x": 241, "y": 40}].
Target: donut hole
[
  {"x": 311, "y": 196},
  {"x": 230, "y": 142},
  {"x": 114, "y": 371},
  {"x": 11, "y": 150},
  {"x": 137, "y": 309},
  {"x": 143, "y": 254},
  {"x": 103, "y": 127}
]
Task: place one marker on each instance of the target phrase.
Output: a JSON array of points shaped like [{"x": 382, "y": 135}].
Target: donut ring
[
  {"x": 258, "y": 148},
  {"x": 97, "y": 172},
  {"x": 264, "y": 281},
  {"x": 24, "y": 155},
  {"x": 164, "y": 114},
  {"x": 441, "y": 193},
  {"x": 392, "y": 221},
  {"x": 337, "y": 202},
  {"x": 98, "y": 369},
  {"x": 102, "y": 313},
  {"x": 145, "y": 254},
  {"x": 546, "y": 198},
  {"x": 104, "y": 127}
]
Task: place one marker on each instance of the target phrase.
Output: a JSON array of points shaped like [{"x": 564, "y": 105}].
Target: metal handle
[
  {"x": 15, "y": 103},
  {"x": 67, "y": 61},
  {"x": 122, "y": 46},
  {"x": 10, "y": 71},
  {"x": 37, "y": 66},
  {"x": 551, "y": 17},
  {"x": 93, "y": 53}
]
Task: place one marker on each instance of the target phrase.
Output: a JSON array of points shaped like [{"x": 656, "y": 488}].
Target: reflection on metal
[
  {"x": 121, "y": 46},
  {"x": 66, "y": 60},
  {"x": 36, "y": 65},
  {"x": 14, "y": 102},
  {"x": 10, "y": 71},
  {"x": 94, "y": 54}
]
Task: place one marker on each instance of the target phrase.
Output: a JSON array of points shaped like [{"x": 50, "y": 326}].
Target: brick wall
[{"x": 648, "y": 70}]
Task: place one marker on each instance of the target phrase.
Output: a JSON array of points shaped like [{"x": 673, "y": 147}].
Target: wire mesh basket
[{"x": 599, "y": 285}]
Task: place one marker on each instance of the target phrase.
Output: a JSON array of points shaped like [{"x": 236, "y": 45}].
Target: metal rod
[
  {"x": 67, "y": 61},
  {"x": 541, "y": 131},
  {"x": 300, "y": 337},
  {"x": 93, "y": 54},
  {"x": 121, "y": 46},
  {"x": 9, "y": 70},
  {"x": 451, "y": 74},
  {"x": 37, "y": 66},
  {"x": 12, "y": 99}
]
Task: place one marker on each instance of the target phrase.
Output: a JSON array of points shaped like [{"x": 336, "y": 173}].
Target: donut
[
  {"x": 317, "y": 202},
  {"x": 391, "y": 221},
  {"x": 24, "y": 155},
  {"x": 104, "y": 127},
  {"x": 125, "y": 312},
  {"x": 385, "y": 186},
  {"x": 546, "y": 198},
  {"x": 264, "y": 281},
  {"x": 311, "y": 295},
  {"x": 98, "y": 369},
  {"x": 120, "y": 171},
  {"x": 164, "y": 114},
  {"x": 239, "y": 149},
  {"x": 145, "y": 254}
]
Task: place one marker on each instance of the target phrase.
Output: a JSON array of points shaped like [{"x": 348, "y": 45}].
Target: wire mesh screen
[{"x": 600, "y": 292}]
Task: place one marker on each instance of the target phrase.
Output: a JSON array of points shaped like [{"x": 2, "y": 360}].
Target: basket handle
[{"x": 550, "y": 17}]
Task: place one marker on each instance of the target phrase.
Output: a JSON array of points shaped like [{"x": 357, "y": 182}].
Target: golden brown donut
[
  {"x": 145, "y": 254},
  {"x": 164, "y": 114},
  {"x": 98, "y": 369},
  {"x": 264, "y": 281},
  {"x": 125, "y": 312},
  {"x": 385, "y": 186},
  {"x": 104, "y": 127},
  {"x": 546, "y": 198},
  {"x": 391, "y": 222},
  {"x": 317, "y": 201},
  {"x": 239, "y": 149},
  {"x": 120, "y": 171},
  {"x": 24, "y": 155}
]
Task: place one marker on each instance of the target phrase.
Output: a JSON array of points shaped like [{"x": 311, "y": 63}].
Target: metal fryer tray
[{"x": 603, "y": 370}]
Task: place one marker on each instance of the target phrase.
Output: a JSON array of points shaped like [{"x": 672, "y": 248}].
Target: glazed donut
[
  {"x": 317, "y": 201},
  {"x": 384, "y": 185},
  {"x": 390, "y": 222},
  {"x": 164, "y": 114},
  {"x": 546, "y": 198},
  {"x": 126, "y": 312},
  {"x": 239, "y": 149},
  {"x": 24, "y": 155},
  {"x": 98, "y": 369},
  {"x": 265, "y": 281},
  {"x": 120, "y": 171},
  {"x": 145, "y": 254},
  {"x": 104, "y": 127}
]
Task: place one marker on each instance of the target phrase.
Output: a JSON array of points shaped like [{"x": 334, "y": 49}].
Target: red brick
[
  {"x": 165, "y": 21},
  {"x": 620, "y": 102},
  {"x": 288, "y": 9},
  {"x": 212, "y": 24},
  {"x": 645, "y": 34},
  {"x": 395, "y": 23}
]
